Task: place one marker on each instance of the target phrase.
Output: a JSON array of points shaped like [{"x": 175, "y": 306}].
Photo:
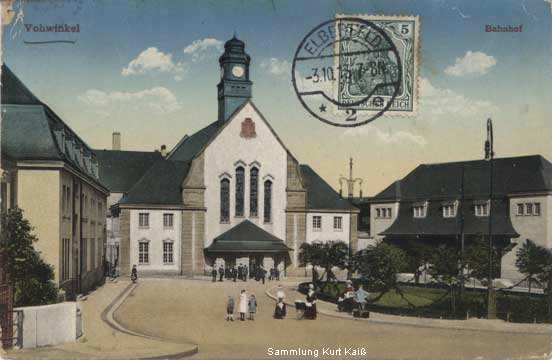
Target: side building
[
  {"x": 52, "y": 174},
  {"x": 427, "y": 205},
  {"x": 119, "y": 170}
]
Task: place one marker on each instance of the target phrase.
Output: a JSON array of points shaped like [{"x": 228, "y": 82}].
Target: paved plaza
[{"x": 193, "y": 311}]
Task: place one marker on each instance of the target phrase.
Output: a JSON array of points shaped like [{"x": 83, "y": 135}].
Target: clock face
[{"x": 237, "y": 71}]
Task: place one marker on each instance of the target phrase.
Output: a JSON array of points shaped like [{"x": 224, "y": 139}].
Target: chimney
[
  {"x": 116, "y": 141},
  {"x": 164, "y": 150}
]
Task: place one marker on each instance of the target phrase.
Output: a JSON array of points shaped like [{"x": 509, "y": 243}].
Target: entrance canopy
[{"x": 247, "y": 237}]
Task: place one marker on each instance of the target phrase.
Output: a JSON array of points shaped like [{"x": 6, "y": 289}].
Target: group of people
[
  {"x": 249, "y": 305},
  {"x": 230, "y": 273},
  {"x": 246, "y": 304},
  {"x": 243, "y": 272},
  {"x": 349, "y": 300}
]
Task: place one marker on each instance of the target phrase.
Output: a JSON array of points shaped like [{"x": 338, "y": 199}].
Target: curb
[
  {"x": 107, "y": 317},
  {"x": 435, "y": 326}
]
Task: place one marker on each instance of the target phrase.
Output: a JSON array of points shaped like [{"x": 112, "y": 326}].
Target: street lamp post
[
  {"x": 489, "y": 156},
  {"x": 350, "y": 181}
]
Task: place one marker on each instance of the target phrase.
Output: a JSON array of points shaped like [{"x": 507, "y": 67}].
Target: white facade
[
  {"x": 155, "y": 235},
  {"x": 327, "y": 231},
  {"x": 228, "y": 151}
]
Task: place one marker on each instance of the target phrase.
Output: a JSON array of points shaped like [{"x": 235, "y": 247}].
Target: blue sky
[{"x": 466, "y": 75}]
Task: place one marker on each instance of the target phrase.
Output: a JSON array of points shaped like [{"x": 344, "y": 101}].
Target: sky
[{"x": 149, "y": 69}]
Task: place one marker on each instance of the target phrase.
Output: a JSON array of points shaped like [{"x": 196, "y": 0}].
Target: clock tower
[{"x": 234, "y": 87}]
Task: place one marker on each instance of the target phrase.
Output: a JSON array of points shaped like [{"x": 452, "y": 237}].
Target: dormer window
[
  {"x": 482, "y": 208},
  {"x": 420, "y": 210},
  {"x": 450, "y": 209}
]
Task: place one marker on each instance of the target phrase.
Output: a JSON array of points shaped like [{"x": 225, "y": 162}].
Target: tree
[
  {"x": 379, "y": 265},
  {"x": 30, "y": 275},
  {"x": 477, "y": 259},
  {"x": 325, "y": 255},
  {"x": 445, "y": 266},
  {"x": 531, "y": 261}
]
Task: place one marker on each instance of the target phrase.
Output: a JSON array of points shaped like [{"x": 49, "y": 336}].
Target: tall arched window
[
  {"x": 267, "y": 201},
  {"x": 240, "y": 190},
  {"x": 253, "y": 192},
  {"x": 224, "y": 200}
]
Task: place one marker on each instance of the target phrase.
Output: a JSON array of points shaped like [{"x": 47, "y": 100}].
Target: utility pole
[
  {"x": 350, "y": 181},
  {"x": 489, "y": 156},
  {"x": 462, "y": 235}
]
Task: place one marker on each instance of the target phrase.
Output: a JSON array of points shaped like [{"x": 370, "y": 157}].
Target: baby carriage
[{"x": 300, "y": 307}]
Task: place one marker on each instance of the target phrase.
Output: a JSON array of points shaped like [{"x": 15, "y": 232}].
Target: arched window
[
  {"x": 224, "y": 200},
  {"x": 253, "y": 192},
  {"x": 267, "y": 201},
  {"x": 240, "y": 190}
]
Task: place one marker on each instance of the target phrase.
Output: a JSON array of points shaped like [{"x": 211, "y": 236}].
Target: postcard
[{"x": 279, "y": 179}]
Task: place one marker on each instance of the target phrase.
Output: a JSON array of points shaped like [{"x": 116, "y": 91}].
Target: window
[
  {"x": 253, "y": 192},
  {"x": 537, "y": 209},
  {"x": 337, "y": 222},
  {"x": 167, "y": 252},
  {"x": 143, "y": 220},
  {"x": 383, "y": 213},
  {"x": 449, "y": 210},
  {"x": 167, "y": 220},
  {"x": 240, "y": 190},
  {"x": 92, "y": 254},
  {"x": 520, "y": 209},
  {"x": 66, "y": 256},
  {"x": 420, "y": 211},
  {"x": 64, "y": 199},
  {"x": 143, "y": 252},
  {"x": 317, "y": 223},
  {"x": 482, "y": 209},
  {"x": 224, "y": 200},
  {"x": 267, "y": 201},
  {"x": 529, "y": 209}
]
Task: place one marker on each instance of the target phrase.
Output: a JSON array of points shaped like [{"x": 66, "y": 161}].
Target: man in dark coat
[
  {"x": 221, "y": 272},
  {"x": 240, "y": 271},
  {"x": 245, "y": 273},
  {"x": 234, "y": 273},
  {"x": 214, "y": 273}
]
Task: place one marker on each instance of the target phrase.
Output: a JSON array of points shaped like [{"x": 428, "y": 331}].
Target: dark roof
[
  {"x": 26, "y": 134},
  {"x": 435, "y": 224},
  {"x": 119, "y": 170},
  {"x": 14, "y": 91},
  {"x": 33, "y": 131},
  {"x": 161, "y": 184},
  {"x": 192, "y": 145},
  {"x": 247, "y": 237},
  {"x": 531, "y": 173},
  {"x": 320, "y": 195}
]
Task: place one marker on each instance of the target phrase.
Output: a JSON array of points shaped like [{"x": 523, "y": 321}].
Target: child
[
  {"x": 230, "y": 309},
  {"x": 243, "y": 305},
  {"x": 252, "y": 307}
]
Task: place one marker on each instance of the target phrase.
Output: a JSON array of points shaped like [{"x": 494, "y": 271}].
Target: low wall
[{"x": 49, "y": 324}]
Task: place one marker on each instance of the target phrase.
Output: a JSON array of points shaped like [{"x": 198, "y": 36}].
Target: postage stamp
[{"x": 354, "y": 69}]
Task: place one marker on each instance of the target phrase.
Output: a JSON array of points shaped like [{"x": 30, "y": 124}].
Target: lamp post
[
  {"x": 489, "y": 156},
  {"x": 350, "y": 181}
]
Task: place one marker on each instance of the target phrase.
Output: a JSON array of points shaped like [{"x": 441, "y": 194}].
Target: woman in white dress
[{"x": 243, "y": 305}]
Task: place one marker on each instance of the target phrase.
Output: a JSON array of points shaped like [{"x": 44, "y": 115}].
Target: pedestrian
[
  {"x": 252, "y": 307},
  {"x": 245, "y": 273},
  {"x": 234, "y": 273},
  {"x": 221, "y": 272},
  {"x": 280, "y": 295},
  {"x": 214, "y": 273},
  {"x": 277, "y": 273},
  {"x": 270, "y": 274},
  {"x": 230, "y": 309},
  {"x": 361, "y": 297},
  {"x": 263, "y": 275},
  {"x": 280, "y": 310},
  {"x": 243, "y": 305},
  {"x": 240, "y": 271},
  {"x": 310, "y": 312},
  {"x": 134, "y": 274}
]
